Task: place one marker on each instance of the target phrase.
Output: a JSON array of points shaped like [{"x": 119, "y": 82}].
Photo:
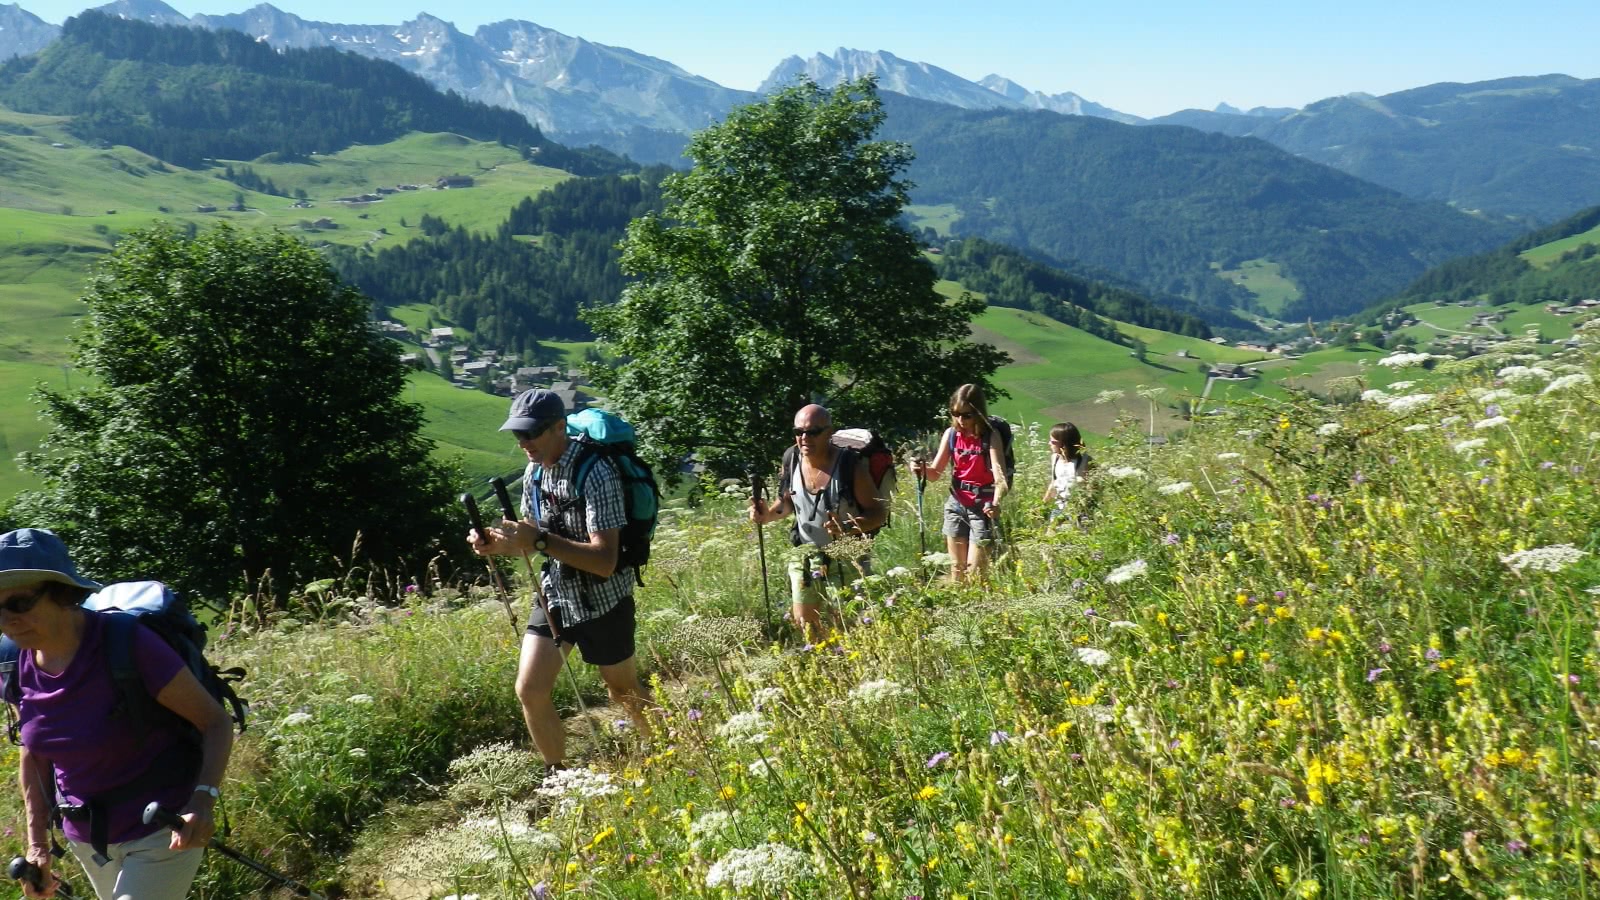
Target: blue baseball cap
[{"x": 31, "y": 555}]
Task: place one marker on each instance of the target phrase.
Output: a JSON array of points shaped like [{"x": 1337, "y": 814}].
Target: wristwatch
[
  {"x": 207, "y": 789},
  {"x": 541, "y": 542}
]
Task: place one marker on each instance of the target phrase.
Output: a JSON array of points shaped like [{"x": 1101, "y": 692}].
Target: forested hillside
[
  {"x": 1519, "y": 272},
  {"x": 554, "y": 255},
  {"x": 188, "y": 95},
  {"x": 1162, "y": 205},
  {"x": 1009, "y": 278}
]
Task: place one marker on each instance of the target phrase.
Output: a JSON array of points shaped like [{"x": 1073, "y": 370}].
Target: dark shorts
[{"x": 603, "y": 641}]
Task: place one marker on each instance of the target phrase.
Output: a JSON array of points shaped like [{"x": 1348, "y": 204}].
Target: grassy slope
[
  {"x": 1264, "y": 279},
  {"x": 52, "y": 199},
  {"x": 1546, "y": 254}
]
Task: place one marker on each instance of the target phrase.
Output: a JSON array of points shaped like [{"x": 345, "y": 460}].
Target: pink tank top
[{"x": 968, "y": 468}]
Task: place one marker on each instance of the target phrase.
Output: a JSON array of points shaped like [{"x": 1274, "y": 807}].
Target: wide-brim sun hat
[{"x": 32, "y": 555}]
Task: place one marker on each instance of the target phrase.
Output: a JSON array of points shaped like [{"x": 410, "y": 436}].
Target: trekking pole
[
  {"x": 155, "y": 815},
  {"x": 922, "y": 486},
  {"x": 23, "y": 870},
  {"x": 476, "y": 521},
  {"x": 761, "y": 547},
  {"x": 510, "y": 512}
]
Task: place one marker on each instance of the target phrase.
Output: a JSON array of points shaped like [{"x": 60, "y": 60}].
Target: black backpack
[
  {"x": 1001, "y": 427},
  {"x": 156, "y": 606}
]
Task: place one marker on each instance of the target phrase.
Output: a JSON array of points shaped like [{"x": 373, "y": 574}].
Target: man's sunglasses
[
  {"x": 810, "y": 432},
  {"x": 22, "y": 604},
  {"x": 524, "y": 435}
]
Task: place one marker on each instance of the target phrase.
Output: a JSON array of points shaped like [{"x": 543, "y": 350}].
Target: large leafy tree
[
  {"x": 778, "y": 274},
  {"x": 243, "y": 420}
]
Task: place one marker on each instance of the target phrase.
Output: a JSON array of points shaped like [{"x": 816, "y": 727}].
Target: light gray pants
[{"x": 144, "y": 869}]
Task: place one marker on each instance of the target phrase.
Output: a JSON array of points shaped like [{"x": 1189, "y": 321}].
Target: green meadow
[
  {"x": 1545, "y": 255},
  {"x": 1264, "y": 279},
  {"x": 938, "y": 216}
]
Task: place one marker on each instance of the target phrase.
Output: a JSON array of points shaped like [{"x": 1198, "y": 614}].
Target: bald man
[{"x": 830, "y": 493}]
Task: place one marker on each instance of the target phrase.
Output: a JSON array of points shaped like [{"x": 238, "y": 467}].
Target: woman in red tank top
[{"x": 977, "y": 481}]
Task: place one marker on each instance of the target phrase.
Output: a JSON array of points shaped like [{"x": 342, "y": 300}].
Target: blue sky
[{"x": 1146, "y": 58}]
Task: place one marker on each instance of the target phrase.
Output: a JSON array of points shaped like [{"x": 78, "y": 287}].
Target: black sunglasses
[
  {"x": 22, "y": 604},
  {"x": 524, "y": 435},
  {"x": 810, "y": 432}
]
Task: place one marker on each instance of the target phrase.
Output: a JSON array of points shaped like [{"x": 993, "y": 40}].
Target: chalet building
[{"x": 453, "y": 181}]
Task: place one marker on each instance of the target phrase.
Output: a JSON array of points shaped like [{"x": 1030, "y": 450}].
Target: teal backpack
[{"x": 603, "y": 435}]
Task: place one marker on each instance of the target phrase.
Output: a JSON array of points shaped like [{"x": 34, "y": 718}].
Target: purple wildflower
[
  {"x": 1432, "y": 655},
  {"x": 1385, "y": 648},
  {"x": 1288, "y": 803},
  {"x": 937, "y": 758},
  {"x": 1280, "y": 594},
  {"x": 1492, "y": 410},
  {"x": 1516, "y": 846},
  {"x": 1171, "y": 540},
  {"x": 411, "y": 589},
  {"x": 695, "y": 714},
  {"x": 996, "y": 738},
  {"x": 1485, "y": 481},
  {"x": 1573, "y": 679},
  {"x": 539, "y": 891},
  {"x": 1546, "y": 466},
  {"x": 1358, "y": 478},
  {"x": 1090, "y": 613},
  {"x": 1372, "y": 674}
]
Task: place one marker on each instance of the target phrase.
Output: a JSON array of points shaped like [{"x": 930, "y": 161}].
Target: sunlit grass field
[{"x": 1304, "y": 651}]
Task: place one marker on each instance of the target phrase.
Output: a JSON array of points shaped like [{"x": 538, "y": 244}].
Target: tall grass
[{"x": 1311, "y": 651}]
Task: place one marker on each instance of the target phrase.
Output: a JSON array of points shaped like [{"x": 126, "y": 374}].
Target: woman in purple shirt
[{"x": 90, "y": 764}]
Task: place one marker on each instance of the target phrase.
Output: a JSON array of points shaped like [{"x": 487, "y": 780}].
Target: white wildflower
[
  {"x": 880, "y": 691},
  {"x": 357, "y": 753},
  {"x": 760, "y": 768},
  {"x": 773, "y": 867},
  {"x": 1402, "y": 385},
  {"x": 1224, "y": 457},
  {"x": 710, "y": 827},
  {"x": 1121, "y": 472},
  {"x": 1329, "y": 429},
  {"x": 1108, "y": 396},
  {"x": 295, "y": 719},
  {"x": 1248, "y": 433},
  {"x": 1492, "y": 422},
  {"x": 1092, "y": 656},
  {"x": 1592, "y": 590},
  {"x": 1420, "y": 426},
  {"x": 938, "y": 558},
  {"x": 1101, "y": 713},
  {"x": 1566, "y": 381},
  {"x": 1447, "y": 421},
  {"x": 744, "y": 728},
  {"x": 898, "y": 572},
  {"x": 570, "y": 787},
  {"x": 1128, "y": 572},
  {"x": 1409, "y": 403},
  {"x": 1404, "y": 360},
  {"x": 1176, "y": 487},
  {"x": 1123, "y": 625},
  {"x": 1375, "y": 396},
  {"x": 1498, "y": 395},
  {"x": 1523, "y": 374},
  {"x": 1469, "y": 446},
  {"x": 1544, "y": 559},
  {"x": 766, "y": 697},
  {"x": 360, "y": 700}
]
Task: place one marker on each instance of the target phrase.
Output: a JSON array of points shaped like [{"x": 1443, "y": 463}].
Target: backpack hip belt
[{"x": 176, "y": 765}]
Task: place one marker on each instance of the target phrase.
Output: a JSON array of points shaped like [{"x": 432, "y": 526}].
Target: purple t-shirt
[{"x": 66, "y": 719}]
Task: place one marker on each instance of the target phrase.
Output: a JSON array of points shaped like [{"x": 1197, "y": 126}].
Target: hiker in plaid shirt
[{"x": 589, "y": 600}]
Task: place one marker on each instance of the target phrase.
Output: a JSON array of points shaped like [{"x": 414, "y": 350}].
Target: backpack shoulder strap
[
  {"x": 844, "y": 471},
  {"x": 786, "y": 469},
  {"x": 10, "y": 658},
  {"x": 132, "y": 698}
]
